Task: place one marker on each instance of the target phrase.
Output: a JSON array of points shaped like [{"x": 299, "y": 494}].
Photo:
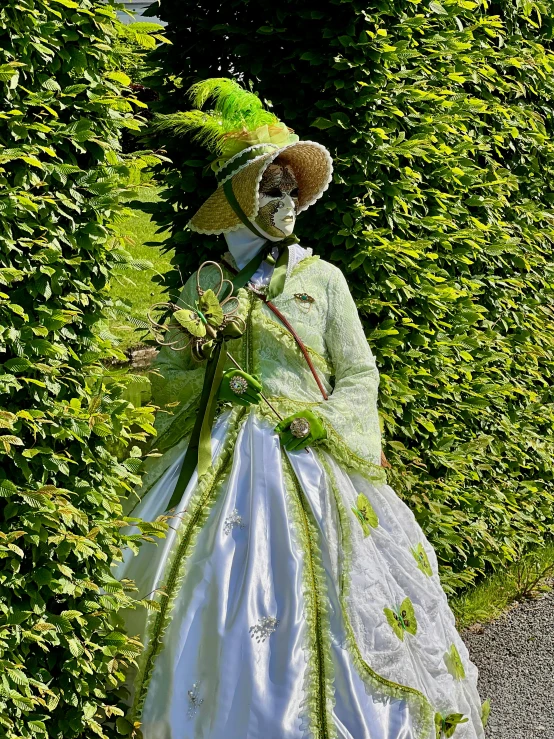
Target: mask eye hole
[
  {"x": 275, "y": 192},
  {"x": 294, "y": 193}
]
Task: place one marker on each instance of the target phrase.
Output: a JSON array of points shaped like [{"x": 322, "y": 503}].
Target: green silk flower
[{"x": 402, "y": 619}]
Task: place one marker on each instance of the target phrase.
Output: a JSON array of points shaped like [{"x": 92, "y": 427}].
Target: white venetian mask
[{"x": 278, "y": 202}]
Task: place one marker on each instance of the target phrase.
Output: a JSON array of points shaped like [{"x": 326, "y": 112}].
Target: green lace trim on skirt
[
  {"x": 318, "y": 682},
  {"x": 418, "y": 702},
  {"x": 193, "y": 519}
]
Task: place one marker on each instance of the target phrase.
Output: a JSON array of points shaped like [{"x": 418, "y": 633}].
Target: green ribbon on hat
[
  {"x": 235, "y": 205},
  {"x": 238, "y": 162}
]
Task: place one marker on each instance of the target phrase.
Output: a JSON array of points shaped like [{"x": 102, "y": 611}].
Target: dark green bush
[
  {"x": 440, "y": 119},
  {"x": 63, "y": 107}
]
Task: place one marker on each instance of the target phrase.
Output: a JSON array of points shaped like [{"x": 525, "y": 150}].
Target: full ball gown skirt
[{"x": 298, "y": 598}]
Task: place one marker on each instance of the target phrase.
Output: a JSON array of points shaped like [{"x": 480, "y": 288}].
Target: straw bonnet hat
[{"x": 247, "y": 139}]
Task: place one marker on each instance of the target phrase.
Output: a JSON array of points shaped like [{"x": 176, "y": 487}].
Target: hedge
[
  {"x": 69, "y": 441},
  {"x": 440, "y": 118}
]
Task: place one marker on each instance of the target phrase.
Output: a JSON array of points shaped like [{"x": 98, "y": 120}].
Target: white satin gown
[{"x": 285, "y": 612}]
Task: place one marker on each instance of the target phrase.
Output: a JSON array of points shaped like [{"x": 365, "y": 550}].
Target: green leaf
[
  {"x": 123, "y": 726},
  {"x": 322, "y": 123},
  {"x": 190, "y": 321},
  {"x": 7, "y": 488},
  {"x": 436, "y": 7},
  {"x": 115, "y": 638},
  {"x": 120, "y": 77},
  {"x": 33, "y": 161},
  {"x": 485, "y": 712},
  {"x": 8, "y": 71},
  {"x": 454, "y": 663},
  {"x": 365, "y": 514},
  {"x": 269, "y": 29},
  {"x": 75, "y": 647},
  {"x": 18, "y": 364},
  {"x": 210, "y": 308}
]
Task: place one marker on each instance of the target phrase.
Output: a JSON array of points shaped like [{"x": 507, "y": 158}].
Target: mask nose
[{"x": 288, "y": 203}]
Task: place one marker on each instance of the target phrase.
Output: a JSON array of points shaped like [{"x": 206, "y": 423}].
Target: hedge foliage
[
  {"x": 440, "y": 117},
  {"x": 64, "y": 104}
]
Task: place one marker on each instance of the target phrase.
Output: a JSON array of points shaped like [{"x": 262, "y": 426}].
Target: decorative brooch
[
  {"x": 194, "y": 701},
  {"x": 233, "y": 520},
  {"x": 304, "y": 298},
  {"x": 300, "y": 428},
  {"x": 238, "y": 385}
]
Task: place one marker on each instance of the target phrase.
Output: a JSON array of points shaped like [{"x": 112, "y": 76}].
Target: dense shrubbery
[
  {"x": 135, "y": 41},
  {"x": 64, "y": 105},
  {"x": 440, "y": 118}
]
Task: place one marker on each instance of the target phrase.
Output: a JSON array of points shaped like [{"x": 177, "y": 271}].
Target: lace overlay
[{"x": 331, "y": 330}]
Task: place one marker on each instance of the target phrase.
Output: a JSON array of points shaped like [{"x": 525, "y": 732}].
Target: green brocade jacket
[{"x": 327, "y": 322}]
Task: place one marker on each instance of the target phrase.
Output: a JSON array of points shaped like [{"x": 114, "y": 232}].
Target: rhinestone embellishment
[
  {"x": 238, "y": 385},
  {"x": 264, "y": 628},
  {"x": 194, "y": 701},
  {"x": 300, "y": 427},
  {"x": 304, "y": 298},
  {"x": 232, "y": 520}
]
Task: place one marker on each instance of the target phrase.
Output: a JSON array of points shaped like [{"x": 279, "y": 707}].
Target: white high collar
[{"x": 243, "y": 245}]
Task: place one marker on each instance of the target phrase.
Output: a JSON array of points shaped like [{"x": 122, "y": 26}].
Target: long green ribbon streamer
[
  {"x": 199, "y": 452},
  {"x": 277, "y": 282},
  {"x": 191, "y": 457},
  {"x": 205, "y": 441},
  {"x": 235, "y": 205}
]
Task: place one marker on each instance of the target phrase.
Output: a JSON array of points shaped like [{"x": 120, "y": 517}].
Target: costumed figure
[{"x": 298, "y": 597}]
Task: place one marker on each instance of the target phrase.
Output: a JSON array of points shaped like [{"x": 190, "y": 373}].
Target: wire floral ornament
[
  {"x": 212, "y": 318},
  {"x": 210, "y": 321}
]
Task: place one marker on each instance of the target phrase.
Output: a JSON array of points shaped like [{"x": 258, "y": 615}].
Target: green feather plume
[
  {"x": 209, "y": 127},
  {"x": 238, "y": 107},
  {"x": 224, "y": 128}
]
